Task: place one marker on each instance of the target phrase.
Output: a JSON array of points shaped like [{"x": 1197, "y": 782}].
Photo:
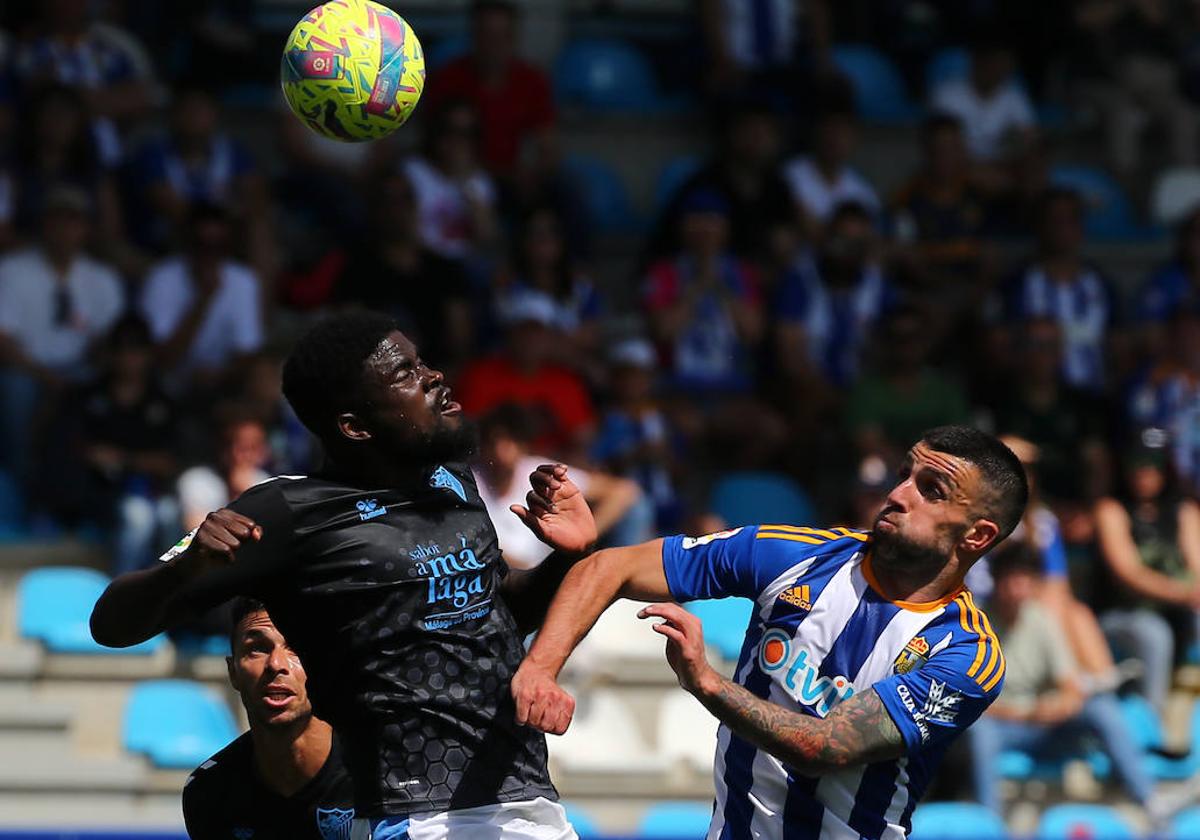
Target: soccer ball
[{"x": 353, "y": 70}]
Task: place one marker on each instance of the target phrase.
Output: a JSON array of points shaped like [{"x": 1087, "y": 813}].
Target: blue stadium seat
[
  {"x": 606, "y": 74},
  {"x": 54, "y": 605},
  {"x": 956, "y": 821},
  {"x": 444, "y": 50},
  {"x": 579, "y": 819},
  {"x": 176, "y": 723},
  {"x": 1186, "y": 825},
  {"x": 1074, "y": 821},
  {"x": 725, "y": 623},
  {"x": 674, "y": 175},
  {"x": 604, "y": 195},
  {"x": 752, "y": 498},
  {"x": 879, "y": 88},
  {"x": 675, "y": 820},
  {"x": 1110, "y": 215}
]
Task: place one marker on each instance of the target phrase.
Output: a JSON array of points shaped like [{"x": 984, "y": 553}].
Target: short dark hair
[
  {"x": 323, "y": 375},
  {"x": 242, "y": 607},
  {"x": 999, "y": 466},
  {"x": 511, "y": 420}
]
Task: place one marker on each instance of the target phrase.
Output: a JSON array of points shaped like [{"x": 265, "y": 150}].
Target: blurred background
[{"x": 726, "y": 258}]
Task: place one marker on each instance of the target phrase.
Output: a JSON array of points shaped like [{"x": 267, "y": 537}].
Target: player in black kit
[
  {"x": 284, "y": 779},
  {"x": 384, "y": 574}
]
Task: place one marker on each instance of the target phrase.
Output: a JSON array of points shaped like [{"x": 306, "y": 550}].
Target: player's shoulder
[
  {"x": 228, "y": 769},
  {"x": 834, "y": 543},
  {"x": 962, "y": 638}
]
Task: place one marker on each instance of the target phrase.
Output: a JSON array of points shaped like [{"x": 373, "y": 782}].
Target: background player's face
[
  {"x": 267, "y": 674},
  {"x": 931, "y": 509},
  {"x": 409, "y": 413}
]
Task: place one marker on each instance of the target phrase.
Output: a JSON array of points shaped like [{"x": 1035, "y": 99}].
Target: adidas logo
[{"x": 797, "y": 596}]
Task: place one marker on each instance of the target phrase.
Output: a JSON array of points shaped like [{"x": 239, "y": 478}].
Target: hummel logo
[{"x": 369, "y": 509}]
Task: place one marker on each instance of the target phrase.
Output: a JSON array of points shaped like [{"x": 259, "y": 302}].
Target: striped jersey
[{"x": 821, "y": 633}]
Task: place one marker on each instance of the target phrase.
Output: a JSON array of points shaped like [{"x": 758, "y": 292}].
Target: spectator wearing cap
[
  {"x": 703, "y": 304},
  {"x": 203, "y": 307},
  {"x": 636, "y": 439},
  {"x": 502, "y": 471},
  {"x": 196, "y": 161},
  {"x": 525, "y": 372},
  {"x": 827, "y": 302},
  {"x": 746, "y": 171},
  {"x": 1149, "y": 540},
  {"x": 995, "y": 112},
  {"x": 55, "y": 303},
  {"x": 542, "y": 261},
  {"x": 822, "y": 181},
  {"x": 111, "y": 458}
]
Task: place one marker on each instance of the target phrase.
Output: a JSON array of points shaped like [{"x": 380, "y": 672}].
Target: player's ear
[
  {"x": 230, "y": 672},
  {"x": 981, "y": 536},
  {"x": 352, "y": 427}
]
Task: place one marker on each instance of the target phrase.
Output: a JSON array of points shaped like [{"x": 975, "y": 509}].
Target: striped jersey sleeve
[
  {"x": 744, "y": 561},
  {"x": 933, "y": 704}
]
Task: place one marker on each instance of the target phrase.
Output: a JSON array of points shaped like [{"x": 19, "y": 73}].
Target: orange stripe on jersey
[
  {"x": 990, "y": 684},
  {"x": 846, "y": 532},
  {"x": 792, "y": 537},
  {"x": 994, "y": 644},
  {"x": 799, "y": 529},
  {"x": 977, "y": 629}
]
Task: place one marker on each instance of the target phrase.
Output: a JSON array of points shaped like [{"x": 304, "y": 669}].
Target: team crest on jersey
[
  {"x": 798, "y": 597},
  {"x": 443, "y": 478},
  {"x": 914, "y": 655},
  {"x": 693, "y": 542},
  {"x": 335, "y": 823}
]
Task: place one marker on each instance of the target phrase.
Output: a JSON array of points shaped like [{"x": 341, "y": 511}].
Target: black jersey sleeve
[
  {"x": 198, "y": 813},
  {"x": 257, "y": 563}
]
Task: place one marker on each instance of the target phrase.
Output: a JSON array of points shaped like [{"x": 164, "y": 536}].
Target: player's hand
[
  {"x": 217, "y": 540},
  {"x": 556, "y": 511},
  {"x": 685, "y": 646},
  {"x": 540, "y": 700}
]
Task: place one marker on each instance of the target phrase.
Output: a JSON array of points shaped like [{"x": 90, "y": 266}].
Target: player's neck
[
  {"x": 287, "y": 759},
  {"x": 915, "y": 583}
]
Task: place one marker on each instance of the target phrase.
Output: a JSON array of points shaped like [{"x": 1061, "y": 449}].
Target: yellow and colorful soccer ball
[{"x": 353, "y": 70}]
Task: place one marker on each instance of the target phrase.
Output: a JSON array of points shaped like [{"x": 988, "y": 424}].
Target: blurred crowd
[{"x": 783, "y": 319}]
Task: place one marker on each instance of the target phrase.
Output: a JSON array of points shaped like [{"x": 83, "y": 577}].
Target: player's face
[
  {"x": 932, "y": 508},
  {"x": 409, "y": 412},
  {"x": 267, "y": 674}
]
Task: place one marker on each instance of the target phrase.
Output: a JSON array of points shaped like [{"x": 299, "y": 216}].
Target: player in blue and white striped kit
[{"x": 864, "y": 658}]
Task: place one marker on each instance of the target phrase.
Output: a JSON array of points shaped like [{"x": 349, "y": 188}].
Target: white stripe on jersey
[
  {"x": 833, "y": 609},
  {"x": 766, "y": 600}
]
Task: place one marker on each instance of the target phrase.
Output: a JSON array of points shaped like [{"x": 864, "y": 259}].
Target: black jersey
[
  {"x": 225, "y": 798},
  {"x": 391, "y": 598}
]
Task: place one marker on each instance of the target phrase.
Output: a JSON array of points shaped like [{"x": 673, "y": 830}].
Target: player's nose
[{"x": 278, "y": 660}]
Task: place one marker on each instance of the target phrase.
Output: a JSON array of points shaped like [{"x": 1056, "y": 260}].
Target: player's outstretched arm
[
  {"x": 587, "y": 591},
  {"x": 858, "y": 731},
  {"x": 140, "y": 604}
]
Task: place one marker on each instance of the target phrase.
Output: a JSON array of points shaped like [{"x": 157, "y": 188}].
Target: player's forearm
[
  {"x": 138, "y": 605},
  {"x": 529, "y": 593},
  {"x": 859, "y": 731},
  {"x": 586, "y": 591}
]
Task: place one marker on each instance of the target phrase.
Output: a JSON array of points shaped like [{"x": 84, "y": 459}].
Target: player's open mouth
[
  {"x": 448, "y": 406},
  {"x": 278, "y": 697}
]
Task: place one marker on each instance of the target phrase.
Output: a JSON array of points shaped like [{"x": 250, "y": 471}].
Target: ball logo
[
  {"x": 774, "y": 650},
  {"x": 320, "y": 64}
]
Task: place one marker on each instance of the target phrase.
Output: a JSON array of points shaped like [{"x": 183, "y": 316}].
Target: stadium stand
[
  {"x": 1062, "y": 822},
  {"x": 880, "y": 93},
  {"x": 177, "y": 723}
]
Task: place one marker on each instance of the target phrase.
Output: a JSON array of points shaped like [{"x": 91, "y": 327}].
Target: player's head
[
  {"x": 264, "y": 670},
  {"x": 358, "y": 384},
  {"x": 960, "y": 492}
]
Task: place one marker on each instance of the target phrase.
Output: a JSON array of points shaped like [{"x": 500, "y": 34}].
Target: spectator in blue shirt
[
  {"x": 827, "y": 303},
  {"x": 1172, "y": 286},
  {"x": 1059, "y": 284}
]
